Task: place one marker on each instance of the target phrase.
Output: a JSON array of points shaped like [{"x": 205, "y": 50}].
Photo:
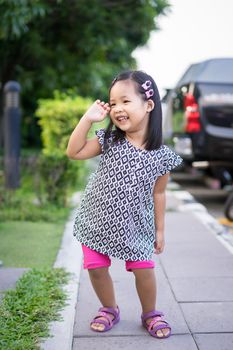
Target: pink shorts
[{"x": 95, "y": 260}]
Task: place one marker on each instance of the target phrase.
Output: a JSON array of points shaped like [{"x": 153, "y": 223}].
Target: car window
[{"x": 216, "y": 93}]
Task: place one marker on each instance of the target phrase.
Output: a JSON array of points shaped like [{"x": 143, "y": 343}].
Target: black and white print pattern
[{"x": 116, "y": 213}]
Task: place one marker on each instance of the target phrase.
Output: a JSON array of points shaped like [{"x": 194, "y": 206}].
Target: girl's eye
[
  {"x": 126, "y": 101},
  {"x": 112, "y": 105}
]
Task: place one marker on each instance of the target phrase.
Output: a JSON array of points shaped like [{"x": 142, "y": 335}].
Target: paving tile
[
  {"x": 202, "y": 289},
  {"x": 186, "y": 261},
  {"x": 209, "y": 317},
  {"x": 181, "y": 342},
  {"x": 220, "y": 341},
  {"x": 192, "y": 250},
  {"x": 184, "y": 227}
]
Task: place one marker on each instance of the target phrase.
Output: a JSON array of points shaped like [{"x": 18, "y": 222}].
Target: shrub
[
  {"x": 58, "y": 175},
  {"x": 57, "y": 118}
]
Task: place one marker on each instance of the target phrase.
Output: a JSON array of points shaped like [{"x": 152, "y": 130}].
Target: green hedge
[{"x": 57, "y": 118}]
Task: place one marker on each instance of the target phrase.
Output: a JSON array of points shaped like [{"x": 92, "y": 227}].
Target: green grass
[
  {"x": 30, "y": 234},
  {"x": 29, "y": 244},
  {"x": 26, "y": 311}
]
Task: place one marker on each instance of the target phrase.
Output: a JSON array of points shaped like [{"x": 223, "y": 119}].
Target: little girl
[{"x": 122, "y": 210}]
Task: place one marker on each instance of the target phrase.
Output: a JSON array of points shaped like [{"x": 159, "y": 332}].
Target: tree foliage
[{"x": 58, "y": 44}]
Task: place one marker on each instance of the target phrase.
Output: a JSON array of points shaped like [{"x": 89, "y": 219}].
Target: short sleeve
[
  {"x": 101, "y": 134},
  {"x": 169, "y": 160},
  {"x": 104, "y": 137}
]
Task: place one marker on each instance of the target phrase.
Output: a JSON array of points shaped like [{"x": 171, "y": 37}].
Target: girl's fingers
[
  {"x": 102, "y": 103},
  {"x": 158, "y": 250},
  {"x": 158, "y": 247},
  {"x": 103, "y": 108}
]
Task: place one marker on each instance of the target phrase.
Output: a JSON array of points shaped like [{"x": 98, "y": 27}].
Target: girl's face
[{"x": 129, "y": 111}]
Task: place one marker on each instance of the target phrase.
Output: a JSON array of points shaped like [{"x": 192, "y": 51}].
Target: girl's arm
[
  {"x": 159, "y": 211},
  {"x": 78, "y": 146}
]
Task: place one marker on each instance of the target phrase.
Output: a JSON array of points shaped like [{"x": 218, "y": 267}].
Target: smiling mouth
[{"x": 121, "y": 118}]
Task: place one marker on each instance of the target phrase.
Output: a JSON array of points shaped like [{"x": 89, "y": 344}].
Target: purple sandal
[
  {"x": 108, "y": 323},
  {"x": 152, "y": 329}
]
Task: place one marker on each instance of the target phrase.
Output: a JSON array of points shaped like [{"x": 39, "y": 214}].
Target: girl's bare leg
[
  {"x": 146, "y": 288},
  {"x": 103, "y": 286}
]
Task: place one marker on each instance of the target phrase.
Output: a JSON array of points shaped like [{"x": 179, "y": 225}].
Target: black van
[
  {"x": 199, "y": 117},
  {"x": 200, "y": 109}
]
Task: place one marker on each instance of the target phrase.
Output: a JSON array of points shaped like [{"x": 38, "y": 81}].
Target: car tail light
[{"x": 192, "y": 114}]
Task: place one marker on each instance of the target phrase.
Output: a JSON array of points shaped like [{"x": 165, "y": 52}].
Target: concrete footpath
[
  {"x": 195, "y": 292},
  {"x": 8, "y": 278}
]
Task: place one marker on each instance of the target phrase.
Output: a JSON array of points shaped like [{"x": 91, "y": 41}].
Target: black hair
[{"x": 154, "y": 132}]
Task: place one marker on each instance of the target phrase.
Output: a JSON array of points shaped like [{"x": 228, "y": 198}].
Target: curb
[{"x": 69, "y": 257}]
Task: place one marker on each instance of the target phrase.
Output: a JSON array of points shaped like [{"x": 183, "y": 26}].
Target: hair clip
[
  {"x": 146, "y": 85},
  {"x": 149, "y": 93}
]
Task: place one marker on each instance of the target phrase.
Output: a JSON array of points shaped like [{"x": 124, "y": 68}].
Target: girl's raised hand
[{"x": 98, "y": 111}]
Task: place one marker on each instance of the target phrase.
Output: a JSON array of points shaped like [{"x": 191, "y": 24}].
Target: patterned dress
[{"x": 116, "y": 213}]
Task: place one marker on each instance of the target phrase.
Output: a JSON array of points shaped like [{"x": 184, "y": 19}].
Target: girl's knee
[{"x": 144, "y": 273}]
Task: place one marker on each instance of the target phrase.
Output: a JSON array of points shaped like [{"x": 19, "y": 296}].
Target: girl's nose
[{"x": 118, "y": 108}]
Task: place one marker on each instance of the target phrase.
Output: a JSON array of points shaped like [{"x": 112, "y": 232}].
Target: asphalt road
[
  {"x": 212, "y": 198},
  {"x": 205, "y": 191}
]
